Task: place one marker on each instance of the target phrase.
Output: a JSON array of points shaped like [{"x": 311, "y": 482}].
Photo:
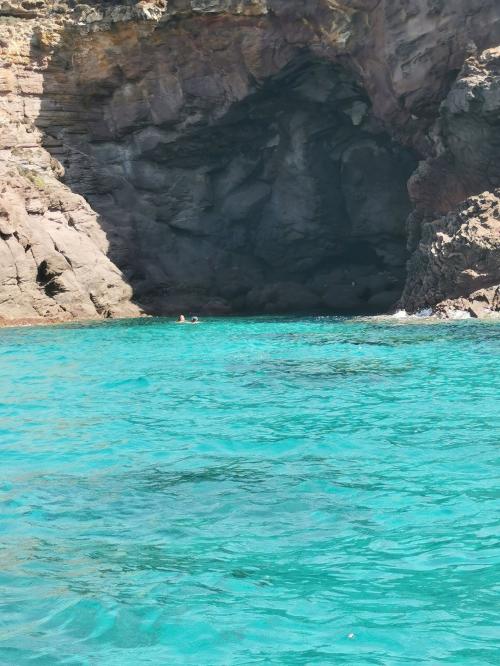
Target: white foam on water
[
  {"x": 421, "y": 314},
  {"x": 459, "y": 314},
  {"x": 427, "y": 312}
]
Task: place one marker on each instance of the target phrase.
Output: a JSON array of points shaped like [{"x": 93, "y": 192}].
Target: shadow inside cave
[{"x": 226, "y": 194}]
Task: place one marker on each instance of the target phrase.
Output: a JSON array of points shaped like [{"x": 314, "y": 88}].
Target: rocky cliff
[{"x": 248, "y": 156}]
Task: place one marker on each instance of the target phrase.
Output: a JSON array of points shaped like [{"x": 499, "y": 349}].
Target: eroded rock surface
[
  {"x": 456, "y": 259},
  {"x": 457, "y": 263},
  {"x": 249, "y": 155},
  {"x": 53, "y": 251},
  {"x": 53, "y": 261}
]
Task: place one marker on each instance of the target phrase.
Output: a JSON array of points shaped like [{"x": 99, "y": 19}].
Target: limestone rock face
[
  {"x": 53, "y": 261},
  {"x": 53, "y": 250},
  {"x": 247, "y": 155},
  {"x": 457, "y": 263}
]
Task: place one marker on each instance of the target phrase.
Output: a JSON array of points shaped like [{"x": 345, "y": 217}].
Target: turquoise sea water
[{"x": 250, "y": 491}]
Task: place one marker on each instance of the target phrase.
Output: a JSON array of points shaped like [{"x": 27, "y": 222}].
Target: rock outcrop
[
  {"x": 248, "y": 156},
  {"x": 53, "y": 250},
  {"x": 456, "y": 266},
  {"x": 456, "y": 263},
  {"x": 53, "y": 262}
]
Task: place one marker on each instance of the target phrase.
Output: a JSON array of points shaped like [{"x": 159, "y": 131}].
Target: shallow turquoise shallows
[{"x": 250, "y": 491}]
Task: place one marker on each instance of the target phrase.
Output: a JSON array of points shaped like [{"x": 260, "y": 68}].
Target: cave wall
[
  {"x": 241, "y": 155},
  {"x": 291, "y": 198}
]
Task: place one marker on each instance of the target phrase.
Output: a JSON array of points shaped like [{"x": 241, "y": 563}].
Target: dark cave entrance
[{"x": 294, "y": 201}]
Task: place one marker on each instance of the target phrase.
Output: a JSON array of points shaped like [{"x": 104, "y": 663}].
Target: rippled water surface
[{"x": 250, "y": 491}]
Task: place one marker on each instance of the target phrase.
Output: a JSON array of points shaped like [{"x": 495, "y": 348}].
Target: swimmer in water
[
  {"x": 181, "y": 319},
  {"x": 195, "y": 320}
]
